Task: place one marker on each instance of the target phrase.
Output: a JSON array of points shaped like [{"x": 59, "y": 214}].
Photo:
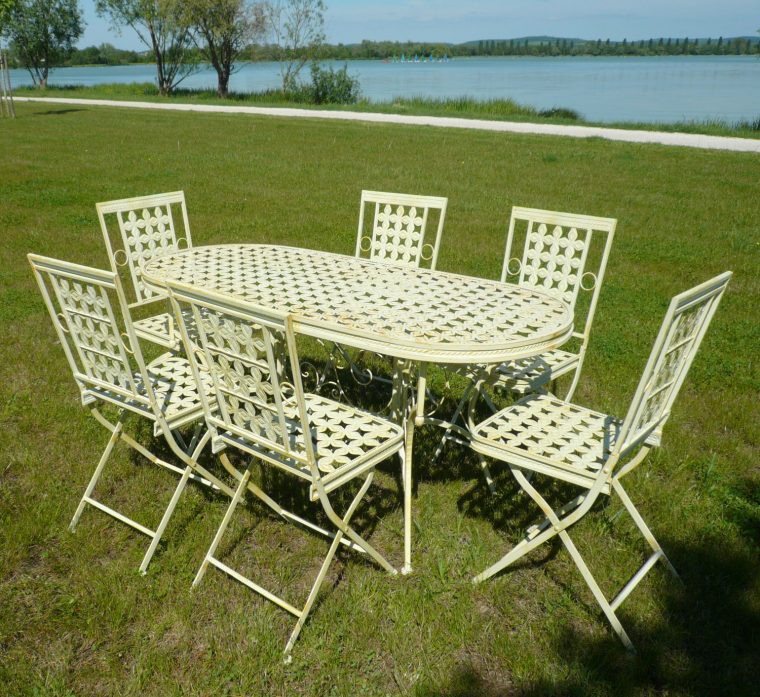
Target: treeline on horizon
[{"x": 107, "y": 54}]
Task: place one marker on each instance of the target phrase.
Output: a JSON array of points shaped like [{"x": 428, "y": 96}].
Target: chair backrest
[
  {"x": 398, "y": 224},
  {"x": 147, "y": 228},
  {"x": 79, "y": 300},
  {"x": 680, "y": 335},
  {"x": 250, "y": 354},
  {"x": 557, "y": 253}
]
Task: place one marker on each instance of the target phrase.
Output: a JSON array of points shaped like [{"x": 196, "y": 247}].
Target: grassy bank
[
  {"x": 77, "y": 619},
  {"x": 464, "y": 107}
]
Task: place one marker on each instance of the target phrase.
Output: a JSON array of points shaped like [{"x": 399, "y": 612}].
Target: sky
[{"x": 456, "y": 21}]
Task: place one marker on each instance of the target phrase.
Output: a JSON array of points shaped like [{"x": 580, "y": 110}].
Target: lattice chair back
[
  {"x": 249, "y": 353},
  {"x": 563, "y": 254},
  {"x": 397, "y": 228},
  {"x": 78, "y": 299},
  {"x": 148, "y": 227},
  {"x": 680, "y": 335}
]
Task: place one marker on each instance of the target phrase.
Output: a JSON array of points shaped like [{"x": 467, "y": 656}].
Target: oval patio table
[{"x": 416, "y": 316}]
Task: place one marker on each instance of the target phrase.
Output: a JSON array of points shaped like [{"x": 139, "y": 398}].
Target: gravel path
[{"x": 689, "y": 140}]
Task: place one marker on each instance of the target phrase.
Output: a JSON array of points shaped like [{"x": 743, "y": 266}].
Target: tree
[
  {"x": 162, "y": 26},
  {"x": 42, "y": 33},
  {"x": 5, "y": 12},
  {"x": 223, "y": 29},
  {"x": 297, "y": 31}
]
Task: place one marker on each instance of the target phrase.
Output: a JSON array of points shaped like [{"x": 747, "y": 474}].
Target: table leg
[
  {"x": 407, "y": 477},
  {"x": 404, "y": 410}
]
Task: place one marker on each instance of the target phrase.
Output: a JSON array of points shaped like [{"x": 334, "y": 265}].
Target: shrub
[
  {"x": 561, "y": 113},
  {"x": 329, "y": 86}
]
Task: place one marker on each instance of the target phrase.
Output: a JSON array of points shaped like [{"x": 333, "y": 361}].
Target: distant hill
[
  {"x": 552, "y": 39},
  {"x": 529, "y": 39}
]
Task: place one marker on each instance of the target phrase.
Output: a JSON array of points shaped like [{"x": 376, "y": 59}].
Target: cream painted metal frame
[
  {"x": 594, "y": 451},
  {"x": 256, "y": 404},
  {"x": 109, "y": 369},
  {"x": 398, "y": 226},
  {"x": 147, "y": 227}
]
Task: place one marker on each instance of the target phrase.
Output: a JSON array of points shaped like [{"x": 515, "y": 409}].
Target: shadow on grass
[
  {"x": 707, "y": 642},
  {"x": 288, "y": 491},
  {"x": 56, "y": 112},
  {"x": 466, "y": 681},
  {"x": 707, "y": 645}
]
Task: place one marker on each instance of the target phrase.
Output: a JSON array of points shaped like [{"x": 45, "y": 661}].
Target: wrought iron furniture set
[{"x": 233, "y": 366}]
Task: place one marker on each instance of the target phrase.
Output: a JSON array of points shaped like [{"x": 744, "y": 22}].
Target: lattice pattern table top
[{"x": 404, "y": 312}]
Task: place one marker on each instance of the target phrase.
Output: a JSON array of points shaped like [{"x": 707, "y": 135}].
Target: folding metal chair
[
  {"x": 257, "y": 405},
  {"x": 392, "y": 228},
  {"x": 109, "y": 369},
  {"x": 147, "y": 227},
  {"x": 556, "y": 260},
  {"x": 594, "y": 451},
  {"x": 565, "y": 255},
  {"x": 397, "y": 228}
]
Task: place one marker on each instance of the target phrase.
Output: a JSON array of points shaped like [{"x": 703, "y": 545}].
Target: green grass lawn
[{"x": 77, "y": 619}]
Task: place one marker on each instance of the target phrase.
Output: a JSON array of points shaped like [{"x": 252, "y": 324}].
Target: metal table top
[{"x": 408, "y": 313}]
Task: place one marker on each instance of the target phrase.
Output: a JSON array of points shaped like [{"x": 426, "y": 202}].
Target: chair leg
[
  {"x": 342, "y": 524},
  {"x": 194, "y": 450},
  {"x": 196, "y": 436},
  {"x": 312, "y": 596},
  {"x": 487, "y": 474},
  {"x": 115, "y": 434},
  {"x": 223, "y": 526},
  {"x": 326, "y": 564},
  {"x": 165, "y": 519},
  {"x": 456, "y": 417},
  {"x": 527, "y": 544},
  {"x": 594, "y": 587},
  {"x": 343, "y": 530},
  {"x": 482, "y": 460},
  {"x": 557, "y": 523},
  {"x": 537, "y": 533},
  {"x": 576, "y": 378},
  {"x": 642, "y": 526}
]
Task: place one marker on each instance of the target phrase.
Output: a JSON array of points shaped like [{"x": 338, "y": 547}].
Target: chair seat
[
  {"x": 531, "y": 374},
  {"x": 174, "y": 386},
  {"x": 545, "y": 434},
  {"x": 346, "y": 440},
  {"x": 163, "y": 330},
  {"x": 342, "y": 433},
  {"x": 525, "y": 374}
]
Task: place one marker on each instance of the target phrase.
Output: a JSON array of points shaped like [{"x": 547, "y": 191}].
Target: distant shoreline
[{"x": 579, "y": 56}]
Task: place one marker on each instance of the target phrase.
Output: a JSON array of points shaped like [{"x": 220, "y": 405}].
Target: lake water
[{"x": 664, "y": 89}]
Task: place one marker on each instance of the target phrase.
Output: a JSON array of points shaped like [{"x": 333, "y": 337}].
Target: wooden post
[{"x": 6, "y": 95}]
